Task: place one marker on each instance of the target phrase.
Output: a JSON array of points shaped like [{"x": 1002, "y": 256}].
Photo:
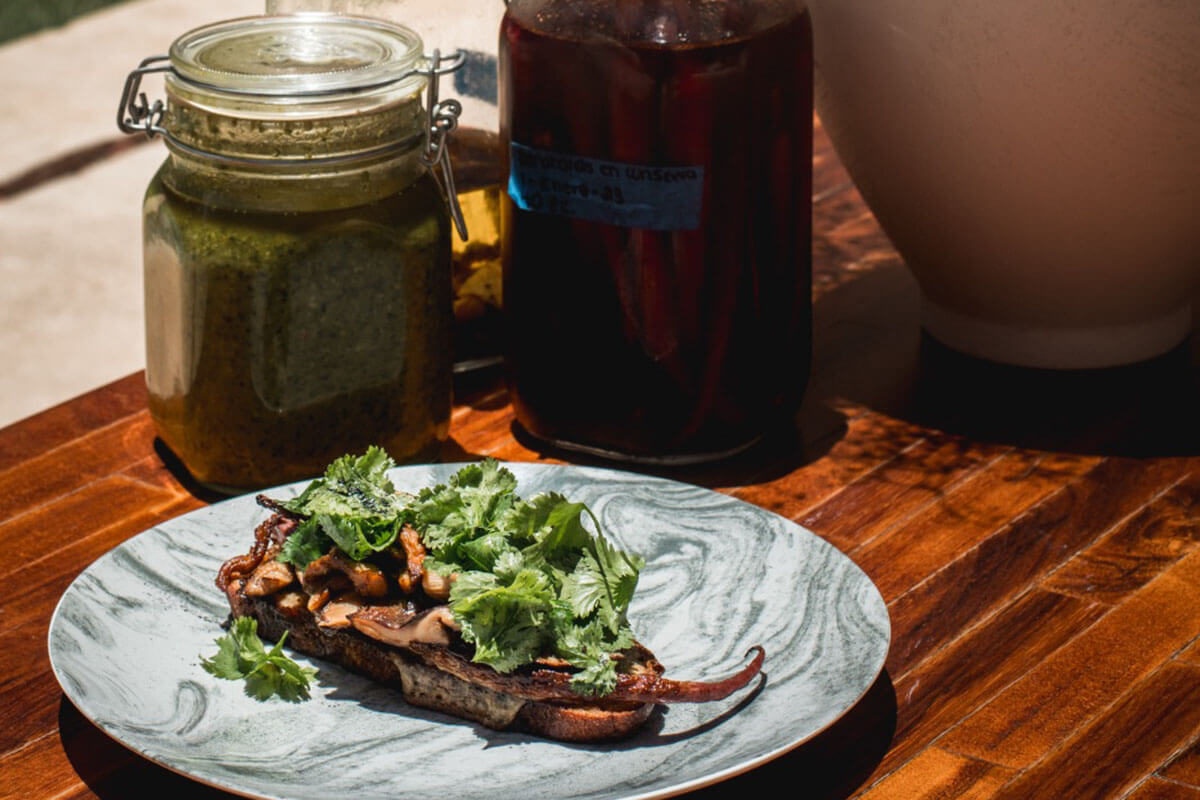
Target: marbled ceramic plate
[{"x": 721, "y": 575}]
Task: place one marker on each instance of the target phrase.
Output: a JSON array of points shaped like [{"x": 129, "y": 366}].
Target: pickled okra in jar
[{"x": 297, "y": 275}]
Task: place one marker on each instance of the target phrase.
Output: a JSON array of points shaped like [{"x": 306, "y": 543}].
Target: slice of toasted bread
[{"x": 429, "y": 687}]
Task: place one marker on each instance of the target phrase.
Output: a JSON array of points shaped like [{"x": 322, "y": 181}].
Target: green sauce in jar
[{"x": 295, "y": 310}]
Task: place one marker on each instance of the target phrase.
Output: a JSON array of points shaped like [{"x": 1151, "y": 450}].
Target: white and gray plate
[{"x": 721, "y": 576}]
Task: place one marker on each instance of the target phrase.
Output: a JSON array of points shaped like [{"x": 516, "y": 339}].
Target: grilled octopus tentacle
[
  {"x": 278, "y": 508},
  {"x": 656, "y": 689},
  {"x": 545, "y": 684},
  {"x": 241, "y": 566}
]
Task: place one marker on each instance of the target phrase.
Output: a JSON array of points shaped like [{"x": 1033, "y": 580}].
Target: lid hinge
[
  {"x": 135, "y": 114},
  {"x": 443, "y": 119}
]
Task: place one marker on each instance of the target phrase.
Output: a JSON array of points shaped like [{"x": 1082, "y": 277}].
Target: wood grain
[
  {"x": 895, "y": 490},
  {"x": 982, "y": 579},
  {"x": 964, "y": 516},
  {"x": 53, "y": 529},
  {"x": 1191, "y": 653},
  {"x": 1102, "y": 758},
  {"x": 1158, "y": 789},
  {"x": 68, "y": 421},
  {"x": 39, "y": 769},
  {"x": 938, "y": 774},
  {"x": 1184, "y": 767},
  {"x": 28, "y": 691},
  {"x": 74, "y": 464},
  {"x": 948, "y": 687},
  {"x": 1138, "y": 550},
  {"x": 1066, "y": 691},
  {"x": 868, "y": 441}
]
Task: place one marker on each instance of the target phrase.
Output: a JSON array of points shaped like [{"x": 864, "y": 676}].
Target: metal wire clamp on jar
[{"x": 296, "y": 245}]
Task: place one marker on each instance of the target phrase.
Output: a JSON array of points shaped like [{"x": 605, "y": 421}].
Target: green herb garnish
[
  {"x": 241, "y": 656},
  {"x": 531, "y": 578},
  {"x": 354, "y": 507}
]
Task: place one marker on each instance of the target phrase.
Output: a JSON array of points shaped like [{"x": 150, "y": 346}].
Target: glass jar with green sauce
[{"x": 297, "y": 246}]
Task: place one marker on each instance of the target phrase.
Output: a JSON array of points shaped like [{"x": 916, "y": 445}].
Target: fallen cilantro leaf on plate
[{"x": 241, "y": 656}]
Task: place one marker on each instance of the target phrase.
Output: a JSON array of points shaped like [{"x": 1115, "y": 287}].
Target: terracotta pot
[{"x": 1036, "y": 164}]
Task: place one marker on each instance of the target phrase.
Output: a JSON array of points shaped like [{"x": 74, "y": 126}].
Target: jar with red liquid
[{"x": 656, "y": 229}]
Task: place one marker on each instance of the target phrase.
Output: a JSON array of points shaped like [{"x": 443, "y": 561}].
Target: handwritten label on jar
[{"x": 629, "y": 195}]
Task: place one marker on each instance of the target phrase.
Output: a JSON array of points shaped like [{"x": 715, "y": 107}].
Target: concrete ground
[{"x": 70, "y": 248}]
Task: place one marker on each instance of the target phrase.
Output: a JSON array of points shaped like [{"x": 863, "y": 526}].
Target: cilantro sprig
[
  {"x": 531, "y": 577},
  {"x": 241, "y": 656},
  {"x": 355, "y": 506}
]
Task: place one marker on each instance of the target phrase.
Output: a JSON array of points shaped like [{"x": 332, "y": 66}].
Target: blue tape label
[{"x": 629, "y": 195}]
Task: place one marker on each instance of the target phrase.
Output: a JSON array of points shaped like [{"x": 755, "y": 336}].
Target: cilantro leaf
[
  {"x": 620, "y": 576},
  {"x": 467, "y": 506},
  {"x": 584, "y": 588},
  {"x": 590, "y": 647},
  {"x": 531, "y": 577},
  {"x": 354, "y": 506},
  {"x": 304, "y": 545},
  {"x": 507, "y": 621},
  {"x": 358, "y": 537},
  {"x": 241, "y": 656},
  {"x": 482, "y": 553},
  {"x": 355, "y": 486}
]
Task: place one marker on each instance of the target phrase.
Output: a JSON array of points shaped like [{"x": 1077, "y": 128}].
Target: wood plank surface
[
  {"x": 1139, "y": 549},
  {"x": 936, "y": 775},
  {"x": 1191, "y": 653},
  {"x": 1035, "y": 535},
  {"x": 1185, "y": 766},
  {"x": 980, "y": 580},
  {"x": 67, "y": 421},
  {"x": 959, "y": 679},
  {"x": 1159, "y": 789},
  {"x": 1107, "y": 755},
  {"x": 1069, "y": 688}
]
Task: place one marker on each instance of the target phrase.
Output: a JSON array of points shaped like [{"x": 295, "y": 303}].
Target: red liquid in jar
[{"x": 676, "y": 344}]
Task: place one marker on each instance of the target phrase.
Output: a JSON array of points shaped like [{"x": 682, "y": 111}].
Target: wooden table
[{"x": 1035, "y": 535}]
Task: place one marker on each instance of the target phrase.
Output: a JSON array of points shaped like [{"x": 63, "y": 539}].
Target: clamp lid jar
[{"x": 296, "y": 246}]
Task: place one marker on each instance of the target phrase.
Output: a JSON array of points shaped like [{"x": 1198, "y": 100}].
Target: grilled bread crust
[{"x": 428, "y": 687}]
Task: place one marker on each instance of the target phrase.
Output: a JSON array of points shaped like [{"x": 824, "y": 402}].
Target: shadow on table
[
  {"x": 781, "y": 451},
  {"x": 870, "y": 351},
  {"x": 113, "y": 772},
  {"x": 1141, "y": 410},
  {"x": 831, "y": 766},
  {"x": 451, "y": 451},
  {"x": 180, "y": 473}
]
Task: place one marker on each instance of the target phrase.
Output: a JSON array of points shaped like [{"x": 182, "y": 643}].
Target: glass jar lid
[
  {"x": 299, "y": 57},
  {"x": 298, "y": 92},
  {"x": 296, "y": 87}
]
